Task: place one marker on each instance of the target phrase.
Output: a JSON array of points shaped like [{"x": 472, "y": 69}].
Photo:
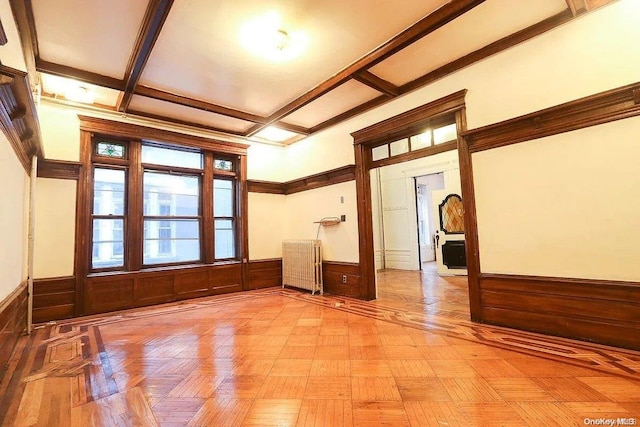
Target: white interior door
[{"x": 447, "y": 215}]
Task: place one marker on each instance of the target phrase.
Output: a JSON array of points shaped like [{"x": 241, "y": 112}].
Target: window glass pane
[
  {"x": 171, "y": 157},
  {"x": 225, "y": 165},
  {"x": 444, "y": 134},
  {"x": 222, "y": 197},
  {"x": 108, "y": 246},
  {"x": 167, "y": 241},
  {"x": 399, "y": 147},
  {"x": 110, "y": 149},
  {"x": 379, "y": 153},
  {"x": 171, "y": 195},
  {"x": 225, "y": 242},
  {"x": 421, "y": 140},
  {"x": 108, "y": 192}
]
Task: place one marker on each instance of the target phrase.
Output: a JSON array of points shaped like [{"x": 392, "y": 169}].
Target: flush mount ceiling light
[
  {"x": 264, "y": 36},
  {"x": 71, "y": 89},
  {"x": 275, "y": 134}
]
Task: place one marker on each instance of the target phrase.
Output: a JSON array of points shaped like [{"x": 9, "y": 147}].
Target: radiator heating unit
[{"x": 302, "y": 265}]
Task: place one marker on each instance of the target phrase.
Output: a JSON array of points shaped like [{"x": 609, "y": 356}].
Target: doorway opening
[{"x": 426, "y": 218}]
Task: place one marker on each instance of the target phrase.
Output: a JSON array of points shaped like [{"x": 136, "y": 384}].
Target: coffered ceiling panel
[
  {"x": 199, "y": 52},
  {"x": 486, "y": 23},
  {"x": 91, "y": 35},
  {"x": 343, "y": 98},
  {"x": 68, "y": 89},
  {"x": 186, "y": 114}
]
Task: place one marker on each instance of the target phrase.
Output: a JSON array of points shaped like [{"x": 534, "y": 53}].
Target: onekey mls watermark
[{"x": 610, "y": 422}]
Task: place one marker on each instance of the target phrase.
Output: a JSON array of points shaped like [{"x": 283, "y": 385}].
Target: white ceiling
[{"x": 198, "y": 54}]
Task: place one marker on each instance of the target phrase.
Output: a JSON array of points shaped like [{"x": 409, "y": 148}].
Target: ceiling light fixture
[
  {"x": 265, "y": 37},
  {"x": 274, "y": 134},
  {"x": 79, "y": 94}
]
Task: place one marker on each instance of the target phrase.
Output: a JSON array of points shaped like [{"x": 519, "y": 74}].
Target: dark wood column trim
[
  {"x": 18, "y": 117},
  {"x": 156, "y": 14},
  {"x": 365, "y": 223},
  {"x": 58, "y": 169},
  {"x": 243, "y": 218},
  {"x": 615, "y": 104}
]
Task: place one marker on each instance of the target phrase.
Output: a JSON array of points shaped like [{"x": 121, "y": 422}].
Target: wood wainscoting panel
[
  {"x": 264, "y": 273},
  {"x": 119, "y": 291},
  {"x": 601, "y": 311},
  {"x": 332, "y": 277},
  {"x": 13, "y": 321},
  {"x": 53, "y": 298},
  {"x": 59, "y": 169},
  {"x": 153, "y": 290},
  {"x": 108, "y": 293}
]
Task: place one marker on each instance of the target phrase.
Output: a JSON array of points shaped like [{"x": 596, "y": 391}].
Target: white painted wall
[
  {"x": 398, "y": 205},
  {"x": 13, "y": 222},
  {"x": 267, "y": 224},
  {"x": 562, "y": 206}
]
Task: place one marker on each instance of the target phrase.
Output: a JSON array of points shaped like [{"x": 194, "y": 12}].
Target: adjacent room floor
[{"x": 284, "y": 357}]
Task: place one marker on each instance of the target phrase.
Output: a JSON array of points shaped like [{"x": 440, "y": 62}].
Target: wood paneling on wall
[
  {"x": 602, "y": 311},
  {"x": 13, "y": 321},
  {"x": 110, "y": 292},
  {"x": 332, "y": 272},
  {"x": 59, "y": 169},
  {"x": 323, "y": 179},
  {"x": 53, "y": 298},
  {"x": 265, "y": 273}
]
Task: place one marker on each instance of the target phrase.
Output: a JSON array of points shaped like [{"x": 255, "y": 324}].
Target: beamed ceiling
[{"x": 182, "y": 61}]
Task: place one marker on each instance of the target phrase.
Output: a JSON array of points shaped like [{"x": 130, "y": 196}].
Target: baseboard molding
[
  {"x": 332, "y": 278},
  {"x": 601, "y": 311},
  {"x": 53, "y": 298},
  {"x": 13, "y": 321}
]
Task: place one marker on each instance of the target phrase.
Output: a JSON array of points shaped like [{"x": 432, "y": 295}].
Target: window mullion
[
  {"x": 133, "y": 222},
  {"x": 207, "y": 210}
]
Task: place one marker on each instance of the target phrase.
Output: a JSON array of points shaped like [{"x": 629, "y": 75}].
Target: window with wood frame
[{"x": 159, "y": 204}]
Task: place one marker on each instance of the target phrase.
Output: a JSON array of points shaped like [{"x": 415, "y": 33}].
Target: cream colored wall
[
  {"x": 60, "y": 130},
  {"x": 12, "y": 219},
  {"x": 588, "y": 55},
  {"x": 266, "y": 162},
  {"x": 267, "y": 223},
  {"x": 55, "y": 227},
  {"x": 339, "y": 242},
  {"x": 11, "y": 53},
  {"x": 562, "y": 206}
]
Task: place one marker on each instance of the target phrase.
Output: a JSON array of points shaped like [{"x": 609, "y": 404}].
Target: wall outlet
[
  {"x": 344, "y": 278},
  {"x": 343, "y": 218}
]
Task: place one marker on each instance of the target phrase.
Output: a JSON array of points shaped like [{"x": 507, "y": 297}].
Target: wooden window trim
[{"x": 93, "y": 130}]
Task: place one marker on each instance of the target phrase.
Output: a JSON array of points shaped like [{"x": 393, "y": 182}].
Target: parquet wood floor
[{"x": 285, "y": 358}]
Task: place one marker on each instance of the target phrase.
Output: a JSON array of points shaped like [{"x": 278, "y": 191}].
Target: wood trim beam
[
  {"x": 577, "y": 7},
  {"x": 155, "y": 16},
  {"x": 18, "y": 117},
  {"x": 381, "y": 85},
  {"x": 58, "y": 169},
  {"x": 80, "y": 75},
  {"x": 183, "y": 122},
  {"x": 489, "y": 50},
  {"x": 482, "y": 53},
  {"x": 604, "y": 107},
  {"x": 128, "y": 130},
  {"x": 25, "y": 23},
  {"x": 430, "y": 23},
  {"x": 318, "y": 180}
]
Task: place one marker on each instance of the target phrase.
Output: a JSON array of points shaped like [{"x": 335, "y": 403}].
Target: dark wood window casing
[{"x": 149, "y": 216}]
